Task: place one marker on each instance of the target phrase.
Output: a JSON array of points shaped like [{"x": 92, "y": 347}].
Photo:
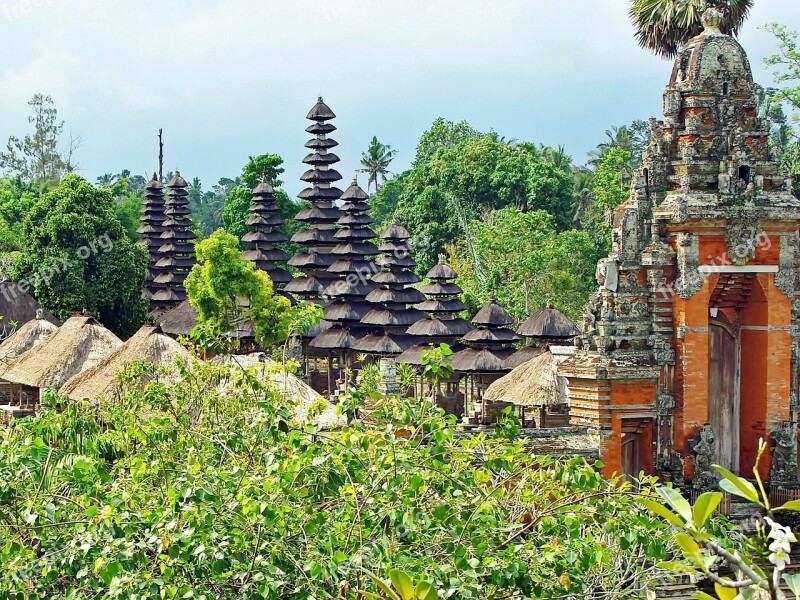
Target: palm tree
[
  {"x": 662, "y": 26},
  {"x": 376, "y": 162}
]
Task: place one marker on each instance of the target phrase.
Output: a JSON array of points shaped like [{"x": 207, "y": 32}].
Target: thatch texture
[
  {"x": 18, "y": 306},
  {"x": 77, "y": 345},
  {"x": 292, "y": 387},
  {"x": 548, "y": 323},
  {"x": 179, "y": 320},
  {"x": 148, "y": 344},
  {"x": 23, "y": 339},
  {"x": 534, "y": 383}
]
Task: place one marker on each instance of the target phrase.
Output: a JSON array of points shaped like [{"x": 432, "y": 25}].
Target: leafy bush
[{"x": 205, "y": 487}]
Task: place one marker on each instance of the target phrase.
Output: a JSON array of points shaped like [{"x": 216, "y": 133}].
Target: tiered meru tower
[
  {"x": 263, "y": 224},
  {"x": 392, "y": 301},
  {"x": 177, "y": 250},
  {"x": 152, "y": 219},
  {"x": 354, "y": 267},
  {"x": 322, "y": 214},
  {"x": 693, "y": 334}
]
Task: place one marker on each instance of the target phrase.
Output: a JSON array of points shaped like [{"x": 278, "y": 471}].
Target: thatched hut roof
[
  {"x": 523, "y": 355},
  {"x": 148, "y": 344},
  {"x": 534, "y": 383},
  {"x": 481, "y": 360},
  {"x": 492, "y": 315},
  {"x": 31, "y": 334},
  {"x": 19, "y": 306},
  {"x": 77, "y": 345},
  {"x": 179, "y": 320},
  {"x": 287, "y": 384},
  {"x": 548, "y": 322}
]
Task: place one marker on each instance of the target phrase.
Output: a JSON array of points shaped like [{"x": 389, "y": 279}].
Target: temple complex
[{"x": 688, "y": 350}]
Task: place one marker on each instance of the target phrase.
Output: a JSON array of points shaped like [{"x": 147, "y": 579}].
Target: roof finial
[
  {"x": 442, "y": 258},
  {"x": 39, "y": 314},
  {"x": 550, "y": 304},
  {"x": 355, "y": 180},
  {"x": 712, "y": 18},
  {"x": 492, "y": 297}
]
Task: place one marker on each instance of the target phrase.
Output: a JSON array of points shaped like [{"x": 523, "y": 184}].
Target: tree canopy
[
  {"x": 229, "y": 293},
  {"x": 77, "y": 256}
]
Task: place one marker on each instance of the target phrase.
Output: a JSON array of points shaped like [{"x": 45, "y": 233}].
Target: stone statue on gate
[
  {"x": 704, "y": 476},
  {"x": 784, "y": 454}
]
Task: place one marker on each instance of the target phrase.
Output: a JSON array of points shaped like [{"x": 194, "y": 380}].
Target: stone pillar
[{"x": 388, "y": 385}]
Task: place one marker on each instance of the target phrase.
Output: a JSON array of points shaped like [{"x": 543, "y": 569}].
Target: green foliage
[
  {"x": 787, "y": 95},
  {"x": 610, "y": 187},
  {"x": 191, "y": 489},
  {"x": 77, "y": 256},
  {"x": 525, "y": 261},
  {"x": 436, "y": 364},
  {"x": 36, "y": 157},
  {"x": 375, "y": 162},
  {"x": 228, "y": 292},
  {"x": 702, "y": 543},
  {"x": 458, "y": 174},
  {"x": 662, "y": 26},
  {"x": 237, "y": 199}
]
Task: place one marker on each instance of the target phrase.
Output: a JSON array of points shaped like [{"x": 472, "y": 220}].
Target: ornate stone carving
[
  {"x": 689, "y": 280},
  {"x": 607, "y": 273},
  {"x": 784, "y": 454},
  {"x": 786, "y": 277},
  {"x": 742, "y": 236},
  {"x": 704, "y": 477},
  {"x": 665, "y": 402}
]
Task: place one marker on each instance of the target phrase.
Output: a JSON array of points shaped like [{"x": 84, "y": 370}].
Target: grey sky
[{"x": 231, "y": 78}]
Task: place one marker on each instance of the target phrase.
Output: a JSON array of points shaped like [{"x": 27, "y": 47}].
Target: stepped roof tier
[
  {"x": 442, "y": 305},
  {"x": 322, "y": 214},
  {"x": 392, "y": 301},
  {"x": 489, "y": 345},
  {"x": 354, "y": 266},
  {"x": 177, "y": 249},
  {"x": 545, "y": 326},
  {"x": 263, "y": 234},
  {"x": 152, "y": 219}
]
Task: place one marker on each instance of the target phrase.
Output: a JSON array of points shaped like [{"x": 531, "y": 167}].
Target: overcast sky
[{"x": 231, "y": 78}]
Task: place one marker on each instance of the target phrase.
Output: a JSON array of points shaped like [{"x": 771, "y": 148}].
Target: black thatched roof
[
  {"x": 481, "y": 360},
  {"x": 179, "y": 320},
  {"x": 523, "y": 355},
  {"x": 392, "y": 317},
  {"x": 18, "y": 306},
  {"x": 387, "y": 344},
  {"x": 492, "y": 314},
  {"x": 440, "y": 328},
  {"x": 548, "y": 323},
  {"x": 320, "y": 112},
  {"x": 489, "y": 336}
]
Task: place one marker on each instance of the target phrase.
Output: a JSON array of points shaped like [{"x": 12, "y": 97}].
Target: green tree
[
  {"x": 525, "y": 261},
  {"x": 37, "y": 157},
  {"x": 211, "y": 484},
  {"x": 469, "y": 174},
  {"x": 786, "y": 96},
  {"x": 77, "y": 256},
  {"x": 610, "y": 188},
  {"x": 662, "y": 26},
  {"x": 237, "y": 200},
  {"x": 228, "y": 291},
  {"x": 375, "y": 162}
]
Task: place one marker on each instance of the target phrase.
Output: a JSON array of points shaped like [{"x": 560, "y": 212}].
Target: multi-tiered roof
[
  {"x": 177, "y": 249},
  {"x": 544, "y": 327},
  {"x": 442, "y": 305},
  {"x": 263, "y": 223},
  {"x": 489, "y": 344},
  {"x": 354, "y": 266},
  {"x": 152, "y": 219},
  {"x": 393, "y": 311},
  {"x": 322, "y": 214}
]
